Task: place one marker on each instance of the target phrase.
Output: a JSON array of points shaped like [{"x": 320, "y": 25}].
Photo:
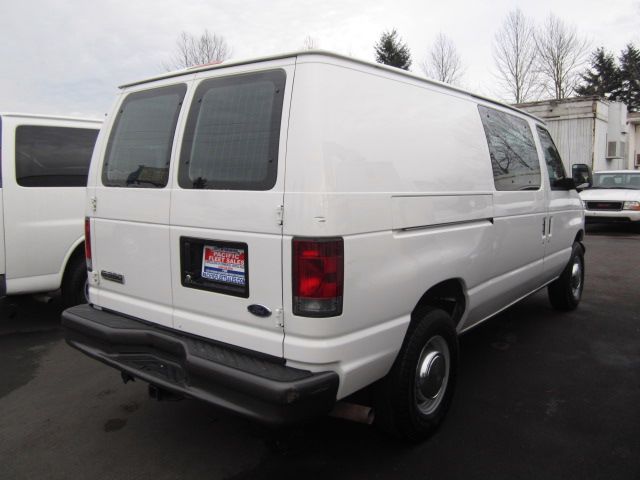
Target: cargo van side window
[
  {"x": 53, "y": 156},
  {"x": 233, "y": 131},
  {"x": 555, "y": 168},
  {"x": 139, "y": 148},
  {"x": 514, "y": 158}
]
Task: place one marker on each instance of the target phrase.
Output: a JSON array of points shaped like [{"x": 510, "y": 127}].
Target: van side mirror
[{"x": 582, "y": 177}]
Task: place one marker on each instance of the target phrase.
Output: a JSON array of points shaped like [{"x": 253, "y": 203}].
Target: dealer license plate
[{"x": 224, "y": 264}]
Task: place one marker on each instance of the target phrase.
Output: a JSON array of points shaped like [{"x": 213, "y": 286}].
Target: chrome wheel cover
[
  {"x": 576, "y": 278},
  {"x": 432, "y": 375}
]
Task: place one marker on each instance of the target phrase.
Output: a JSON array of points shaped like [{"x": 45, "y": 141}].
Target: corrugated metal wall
[{"x": 574, "y": 139}]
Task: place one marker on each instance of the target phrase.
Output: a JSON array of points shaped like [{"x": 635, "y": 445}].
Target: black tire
[
  {"x": 566, "y": 291},
  {"x": 401, "y": 406},
  {"x": 74, "y": 283}
]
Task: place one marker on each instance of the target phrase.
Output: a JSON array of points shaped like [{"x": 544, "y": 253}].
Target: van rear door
[
  {"x": 131, "y": 198},
  {"x": 226, "y": 224}
]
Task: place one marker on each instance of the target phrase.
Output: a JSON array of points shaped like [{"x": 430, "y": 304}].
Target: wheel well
[
  {"x": 448, "y": 296},
  {"x": 78, "y": 252},
  {"x": 579, "y": 236}
]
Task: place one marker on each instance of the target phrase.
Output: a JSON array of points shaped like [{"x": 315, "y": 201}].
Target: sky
[{"x": 68, "y": 57}]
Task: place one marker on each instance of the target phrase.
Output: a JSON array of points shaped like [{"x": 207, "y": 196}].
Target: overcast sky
[{"x": 68, "y": 56}]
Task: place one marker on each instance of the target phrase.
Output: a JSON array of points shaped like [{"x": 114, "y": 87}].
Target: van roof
[
  {"x": 325, "y": 53},
  {"x": 48, "y": 117}
]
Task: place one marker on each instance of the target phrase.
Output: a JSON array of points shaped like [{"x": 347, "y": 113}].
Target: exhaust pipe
[{"x": 353, "y": 412}]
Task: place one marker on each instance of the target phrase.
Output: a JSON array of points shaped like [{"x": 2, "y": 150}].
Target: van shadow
[
  {"x": 613, "y": 229},
  {"x": 483, "y": 418},
  {"x": 28, "y": 313}
]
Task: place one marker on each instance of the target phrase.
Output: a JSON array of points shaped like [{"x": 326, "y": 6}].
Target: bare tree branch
[
  {"x": 562, "y": 54},
  {"x": 443, "y": 62},
  {"x": 194, "y": 50},
  {"x": 310, "y": 43},
  {"x": 516, "y": 57}
]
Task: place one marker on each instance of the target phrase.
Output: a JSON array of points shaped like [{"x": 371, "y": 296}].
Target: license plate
[{"x": 224, "y": 264}]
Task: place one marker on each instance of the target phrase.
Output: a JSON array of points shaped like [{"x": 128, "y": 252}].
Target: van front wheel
[
  {"x": 413, "y": 398},
  {"x": 566, "y": 291}
]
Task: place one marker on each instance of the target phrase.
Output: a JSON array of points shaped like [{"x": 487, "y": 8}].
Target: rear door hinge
[
  {"x": 278, "y": 317},
  {"x": 93, "y": 203},
  {"x": 280, "y": 214}
]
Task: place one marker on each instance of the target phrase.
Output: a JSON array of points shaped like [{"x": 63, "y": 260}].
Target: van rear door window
[
  {"x": 232, "y": 133},
  {"x": 139, "y": 148},
  {"x": 53, "y": 156},
  {"x": 514, "y": 158}
]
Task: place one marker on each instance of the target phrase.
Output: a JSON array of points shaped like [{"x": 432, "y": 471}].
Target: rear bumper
[{"x": 248, "y": 383}]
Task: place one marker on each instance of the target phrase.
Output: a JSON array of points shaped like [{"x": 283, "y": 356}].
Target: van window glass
[
  {"x": 514, "y": 158},
  {"x": 53, "y": 156},
  {"x": 139, "y": 148},
  {"x": 555, "y": 168},
  {"x": 232, "y": 134}
]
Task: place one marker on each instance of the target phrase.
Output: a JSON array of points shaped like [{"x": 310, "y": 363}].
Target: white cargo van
[
  {"x": 43, "y": 174},
  {"x": 272, "y": 236}
]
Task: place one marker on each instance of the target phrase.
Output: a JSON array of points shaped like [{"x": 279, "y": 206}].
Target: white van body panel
[
  {"x": 43, "y": 225},
  {"x": 342, "y": 179},
  {"x": 396, "y": 166}
]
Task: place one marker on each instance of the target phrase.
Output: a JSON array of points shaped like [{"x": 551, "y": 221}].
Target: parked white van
[
  {"x": 273, "y": 236},
  {"x": 43, "y": 174}
]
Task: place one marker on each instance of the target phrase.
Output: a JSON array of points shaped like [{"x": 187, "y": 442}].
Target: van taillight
[
  {"x": 318, "y": 277},
  {"x": 87, "y": 242}
]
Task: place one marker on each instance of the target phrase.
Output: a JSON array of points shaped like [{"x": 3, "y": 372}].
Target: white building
[{"x": 592, "y": 131}]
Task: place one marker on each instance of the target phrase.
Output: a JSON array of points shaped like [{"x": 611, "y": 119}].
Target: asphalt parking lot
[{"x": 540, "y": 395}]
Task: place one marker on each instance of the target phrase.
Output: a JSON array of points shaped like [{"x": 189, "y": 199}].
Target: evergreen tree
[
  {"x": 630, "y": 76},
  {"x": 391, "y": 50},
  {"x": 602, "y": 78}
]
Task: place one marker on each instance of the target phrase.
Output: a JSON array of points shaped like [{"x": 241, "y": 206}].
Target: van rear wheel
[
  {"x": 412, "y": 399},
  {"x": 74, "y": 283},
  {"x": 566, "y": 291}
]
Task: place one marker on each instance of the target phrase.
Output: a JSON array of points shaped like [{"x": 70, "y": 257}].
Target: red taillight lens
[
  {"x": 87, "y": 243},
  {"x": 318, "y": 277}
]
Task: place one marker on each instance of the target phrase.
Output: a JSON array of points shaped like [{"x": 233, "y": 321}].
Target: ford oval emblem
[{"x": 259, "y": 310}]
